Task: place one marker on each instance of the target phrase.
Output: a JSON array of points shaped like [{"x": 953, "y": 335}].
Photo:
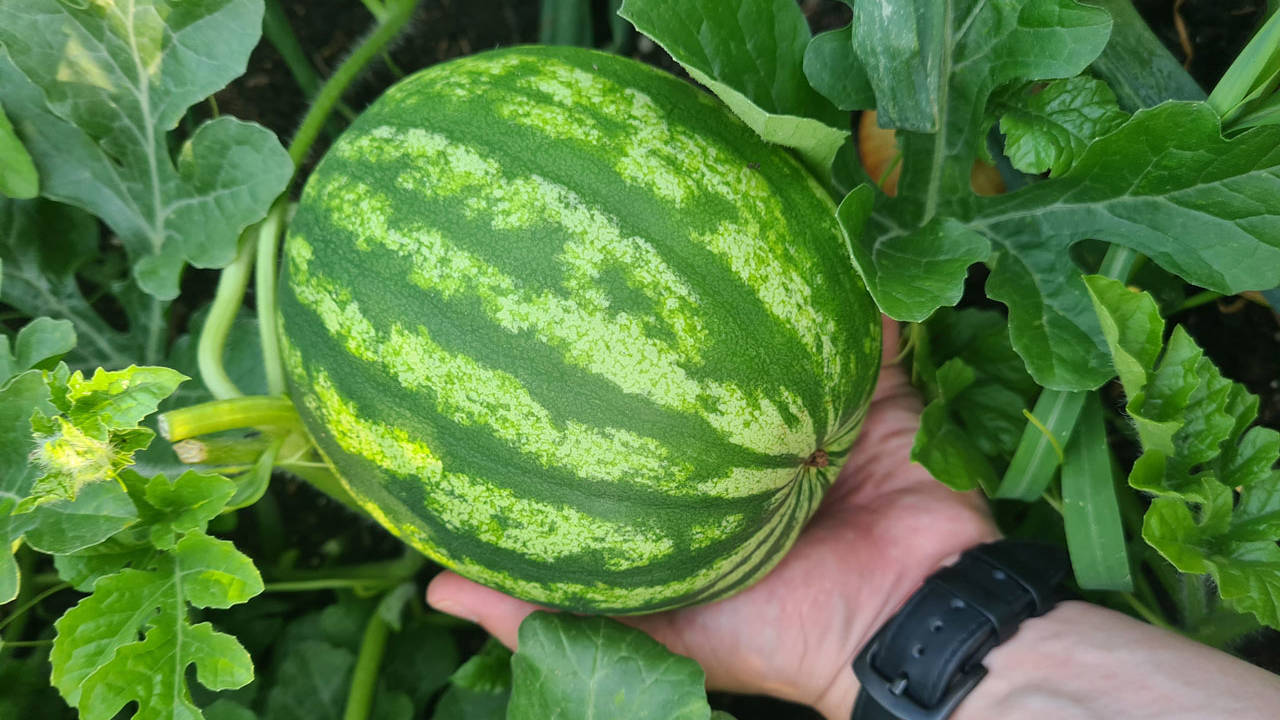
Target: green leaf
[
  {"x": 1197, "y": 450},
  {"x": 977, "y": 395},
  {"x": 99, "y": 511},
  {"x": 97, "y": 432},
  {"x": 750, "y": 53},
  {"x": 43, "y": 245},
  {"x": 224, "y": 709},
  {"x": 41, "y": 341},
  {"x": 83, "y": 568},
  {"x": 833, "y": 69},
  {"x": 487, "y": 671},
  {"x": 1090, "y": 510},
  {"x": 1137, "y": 65},
  {"x": 100, "y": 665},
  {"x": 20, "y": 397},
  {"x": 173, "y": 508},
  {"x": 18, "y": 176},
  {"x": 978, "y": 46},
  {"x": 943, "y": 448},
  {"x": 909, "y": 279},
  {"x": 904, "y": 44},
  {"x": 1047, "y": 129},
  {"x": 419, "y": 661},
  {"x": 27, "y": 695},
  {"x": 572, "y": 667},
  {"x": 311, "y": 684},
  {"x": 93, "y": 90},
  {"x": 1158, "y": 184},
  {"x": 459, "y": 703}
]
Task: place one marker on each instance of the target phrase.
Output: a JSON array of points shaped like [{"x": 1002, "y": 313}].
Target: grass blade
[
  {"x": 1040, "y": 450},
  {"x": 1095, "y": 536}
]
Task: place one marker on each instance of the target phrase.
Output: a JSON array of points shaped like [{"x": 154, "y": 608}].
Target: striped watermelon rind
[{"x": 564, "y": 324}]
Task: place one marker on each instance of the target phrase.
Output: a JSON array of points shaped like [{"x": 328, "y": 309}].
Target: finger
[
  {"x": 889, "y": 334},
  {"x": 496, "y": 612}
]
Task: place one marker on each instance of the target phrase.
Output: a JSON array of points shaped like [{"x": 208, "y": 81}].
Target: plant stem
[
  {"x": 222, "y": 313},
  {"x": 1147, "y": 613},
  {"x": 391, "y": 19},
  {"x": 278, "y": 31},
  {"x": 18, "y": 612},
  {"x": 391, "y": 572},
  {"x": 153, "y": 352},
  {"x": 231, "y": 414},
  {"x": 234, "y": 279},
  {"x": 322, "y": 584},
  {"x": 264, "y": 284},
  {"x": 1118, "y": 263},
  {"x": 1200, "y": 298},
  {"x": 28, "y": 643},
  {"x": 365, "y": 676}
]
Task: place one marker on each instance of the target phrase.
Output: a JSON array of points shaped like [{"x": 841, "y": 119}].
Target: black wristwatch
[{"x": 927, "y": 657}]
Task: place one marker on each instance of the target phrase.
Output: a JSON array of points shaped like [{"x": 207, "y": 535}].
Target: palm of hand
[{"x": 884, "y": 525}]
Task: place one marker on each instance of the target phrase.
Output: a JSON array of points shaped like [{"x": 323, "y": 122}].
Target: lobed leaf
[
  {"x": 571, "y": 667},
  {"x": 1198, "y": 453},
  {"x": 20, "y": 396},
  {"x": 1158, "y": 185},
  {"x": 750, "y": 53},
  {"x": 18, "y": 176},
  {"x": 99, "y": 663},
  {"x": 95, "y": 88},
  {"x": 833, "y": 68},
  {"x": 43, "y": 246},
  {"x": 1048, "y": 129},
  {"x": 95, "y": 432}
]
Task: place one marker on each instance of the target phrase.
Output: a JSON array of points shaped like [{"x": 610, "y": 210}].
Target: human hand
[{"x": 883, "y": 527}]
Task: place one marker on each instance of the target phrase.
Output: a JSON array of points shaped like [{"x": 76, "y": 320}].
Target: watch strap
[{"x": 926, "y": 658}]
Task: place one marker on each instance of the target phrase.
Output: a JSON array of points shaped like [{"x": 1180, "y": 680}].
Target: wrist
[
  {"x": 926, "y": 659},
  {"x": 971, "y": 527},
  {"x": 1085, "y": 662}
]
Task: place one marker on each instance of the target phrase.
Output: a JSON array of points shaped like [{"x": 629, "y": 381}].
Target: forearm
[{"x": 1082, "y": 661}]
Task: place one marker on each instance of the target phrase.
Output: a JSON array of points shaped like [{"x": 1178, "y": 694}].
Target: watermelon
[{"x": 561, "y": 322}]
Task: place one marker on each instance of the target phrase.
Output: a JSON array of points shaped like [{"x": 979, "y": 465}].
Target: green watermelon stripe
[
  {"x": 745, "y": 564},
  {"x": 564, "y": 324},
  {"x": 461, "y": 124},
  {"x": 750, "y": 246},
  {"x": 612, "y": 455},
  {"x": 618, "y": 351}
]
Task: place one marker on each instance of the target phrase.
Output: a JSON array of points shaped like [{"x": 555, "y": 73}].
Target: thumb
[{"x": 496, "y": 612}]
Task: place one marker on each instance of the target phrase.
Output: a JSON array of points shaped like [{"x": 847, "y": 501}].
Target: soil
[{"x": 1243, "y": 339}]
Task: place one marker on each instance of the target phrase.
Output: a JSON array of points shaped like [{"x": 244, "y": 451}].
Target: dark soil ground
[{"x": 1243, "y": 338}]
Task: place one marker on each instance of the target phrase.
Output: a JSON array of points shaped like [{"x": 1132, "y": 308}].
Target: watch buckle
[{"x": 891, "y": 693}]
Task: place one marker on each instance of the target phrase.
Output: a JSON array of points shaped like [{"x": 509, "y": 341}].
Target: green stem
[
  {"x": 1147, "y": 613},
  {"x": 235, "y": 277},
  {"x": 231, "y": 414},
  {"x": 391, "y": 572},
  {"x": 264, "y": 284},
  {"x": 1052, "y": 501},
  {"x": 278, "y": 31},
  {"x": 18, "y": 612},
  {"x": 390, "y": 21},
  {"x": 29, "y": 643},
  {"x": 222, "y": 313},
  {"x": 364, "y": 679},
  {"x": 1201, "y": 298},
  {"x": 322, "y": 584},
  {"x": 153, "y": 353},
  {"x": 1118, "y": 263}
]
